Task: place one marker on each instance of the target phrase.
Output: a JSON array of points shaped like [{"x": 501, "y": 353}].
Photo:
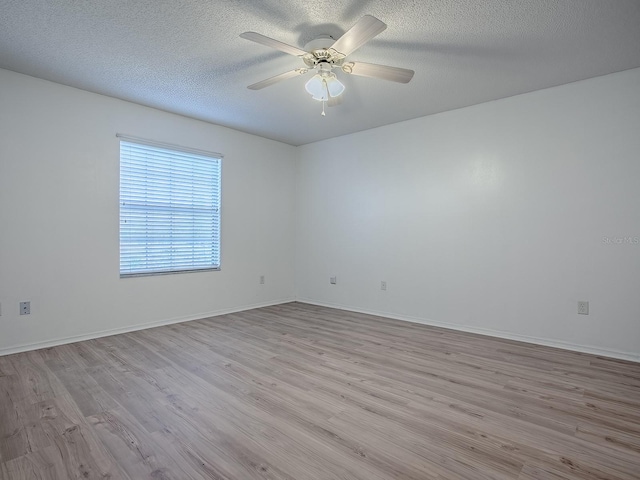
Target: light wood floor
[{"x": 303, "y": 392}]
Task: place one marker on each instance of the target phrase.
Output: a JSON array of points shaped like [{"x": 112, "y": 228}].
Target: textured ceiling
[{"x": 186, "y": 56}]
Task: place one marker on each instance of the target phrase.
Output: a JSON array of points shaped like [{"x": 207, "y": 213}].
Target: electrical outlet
[
  {"x": 333, "y": 280},
  {"x": 383, "y": 285},
  {"x": 25, "y": 308},
  {"x": 583, "y": 308},
  {"x": 261, "y": 279}
]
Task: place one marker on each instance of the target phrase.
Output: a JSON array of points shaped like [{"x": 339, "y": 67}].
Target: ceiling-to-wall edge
[
  {"x": 152, "y": 107},
  {"x": 475, "y": 105},
  {"x": 240, "y": 130}
]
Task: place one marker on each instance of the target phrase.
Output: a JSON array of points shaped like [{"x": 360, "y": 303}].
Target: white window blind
[{"x": 169, "y": 209}]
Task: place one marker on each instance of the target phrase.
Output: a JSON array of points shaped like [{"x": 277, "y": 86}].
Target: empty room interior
[{"x": 359, "y": 240}]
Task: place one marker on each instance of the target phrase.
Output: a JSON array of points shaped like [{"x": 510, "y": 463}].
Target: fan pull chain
[{"x": 326, "y": 89}]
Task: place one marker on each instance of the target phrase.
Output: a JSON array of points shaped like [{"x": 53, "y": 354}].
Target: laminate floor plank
[
  {"x": 88, "y": 395},
  {"x": 6, "y": 367},
  {"x": 44, "y": 464},
  {"x": 142, "y": 456},
  {"x": 297, "y": 392},
  {"x": 14, "y": 441}
]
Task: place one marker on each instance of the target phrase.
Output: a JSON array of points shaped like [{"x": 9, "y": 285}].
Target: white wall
[
  {"x": 489, "y": 218},
  {"x": 59, "y": 180}
]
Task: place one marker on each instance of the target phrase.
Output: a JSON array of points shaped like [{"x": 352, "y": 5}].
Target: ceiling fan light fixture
[
  {"x": 316, "y": 88},
  {"x": 334, "y": 86},
  {"x": 321, "y": 87}
]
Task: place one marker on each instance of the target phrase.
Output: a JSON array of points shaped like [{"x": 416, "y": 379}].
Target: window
[{"x": 169, "y": 209}]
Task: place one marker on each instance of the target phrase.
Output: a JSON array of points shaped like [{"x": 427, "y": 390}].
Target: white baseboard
[
  {"x": 603, "y": 352},
  {"x": 634, "y": 357},
  {"x": 132, "y": 328}
]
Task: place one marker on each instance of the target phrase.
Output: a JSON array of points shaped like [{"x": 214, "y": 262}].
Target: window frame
[{"x": 214, "y": 156}]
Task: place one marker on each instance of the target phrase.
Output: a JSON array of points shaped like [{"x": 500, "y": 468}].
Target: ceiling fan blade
[
  {"x": 270, "y": 42},
  {"x": 395, "y": 74},
  {"x": 278, "y": 78},
  {"x": 364, "y": 30}
]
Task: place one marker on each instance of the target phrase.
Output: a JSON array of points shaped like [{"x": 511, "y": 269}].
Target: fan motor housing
[
  {"x": 319, "y": 43},
  {"x": 320, "y": 51}
]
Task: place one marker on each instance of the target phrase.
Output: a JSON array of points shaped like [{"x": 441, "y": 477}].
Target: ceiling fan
[{"x": 324, "y": 54}]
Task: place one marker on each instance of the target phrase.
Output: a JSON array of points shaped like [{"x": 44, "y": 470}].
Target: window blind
[{"x": 169, "y": 210}]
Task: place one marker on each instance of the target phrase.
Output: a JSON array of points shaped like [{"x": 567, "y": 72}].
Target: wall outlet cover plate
[{"x": 25, "y": 308}]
